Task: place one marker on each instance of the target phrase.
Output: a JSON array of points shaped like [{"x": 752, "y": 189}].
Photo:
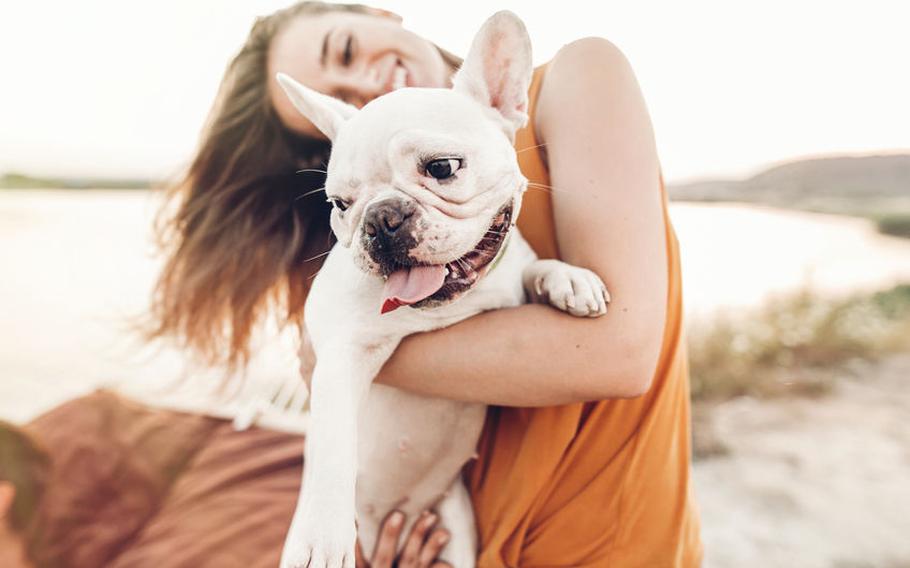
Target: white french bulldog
[{"x": 426, "y": 188}]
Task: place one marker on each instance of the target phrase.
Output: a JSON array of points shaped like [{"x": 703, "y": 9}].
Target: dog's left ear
[
  {"x": 327, "y": 113},
  {"x": 497, "y": 71}
]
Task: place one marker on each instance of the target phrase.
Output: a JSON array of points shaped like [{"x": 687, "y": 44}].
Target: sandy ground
[
  {"x": 812, "y": 482},
  {"x": 805, "y": 483}
]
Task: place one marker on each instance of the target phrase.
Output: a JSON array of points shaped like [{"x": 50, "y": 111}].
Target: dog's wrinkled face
[
  {"x": 437, "y": 186},
  {"x": 425, "y": 182}
]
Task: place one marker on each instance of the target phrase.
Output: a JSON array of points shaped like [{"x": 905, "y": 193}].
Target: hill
[
  {"x": 21, "y": 181},
  {"x": 868, "y": 185}
]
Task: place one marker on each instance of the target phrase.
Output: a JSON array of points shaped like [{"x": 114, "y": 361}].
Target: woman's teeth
[{"x": 399, "y": 79}]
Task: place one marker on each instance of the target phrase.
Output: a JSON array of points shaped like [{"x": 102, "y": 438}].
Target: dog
[{"x": 426, "y": 189}]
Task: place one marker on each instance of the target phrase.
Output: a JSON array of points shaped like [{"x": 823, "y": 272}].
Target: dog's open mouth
[{"x": 426, "y": 286}]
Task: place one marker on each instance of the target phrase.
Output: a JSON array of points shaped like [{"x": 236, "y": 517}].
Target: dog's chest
[{"x": 411, "y": 446}]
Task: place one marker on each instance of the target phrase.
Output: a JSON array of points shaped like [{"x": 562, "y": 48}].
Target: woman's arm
[{"x": 600, "y": 148}]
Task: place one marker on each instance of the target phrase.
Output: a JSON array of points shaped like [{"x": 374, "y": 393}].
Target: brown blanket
[{"x": 133, "y": 486}]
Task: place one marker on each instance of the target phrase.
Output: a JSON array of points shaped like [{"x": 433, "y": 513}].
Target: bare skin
[
  {"x": 598, "y": 141},
  {"x": 351, "y": 57},
  {"x": 603, "y": 164},
  {"x": 421, "y": 548},
  {"x": 12, "y": 544}
]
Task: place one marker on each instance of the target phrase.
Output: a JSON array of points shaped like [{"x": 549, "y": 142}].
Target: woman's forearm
[
  {"x": 609, "y": 218},
  {"x": 533, "y": 355}
]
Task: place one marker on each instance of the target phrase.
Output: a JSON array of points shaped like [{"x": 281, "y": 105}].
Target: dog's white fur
[{"x": 400, "y": 450}]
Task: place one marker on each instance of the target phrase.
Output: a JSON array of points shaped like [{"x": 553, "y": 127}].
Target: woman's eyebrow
[{"x": 325, "y": 47}]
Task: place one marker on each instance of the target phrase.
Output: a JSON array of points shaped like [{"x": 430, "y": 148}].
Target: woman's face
[{"x": 354, "y": 57}]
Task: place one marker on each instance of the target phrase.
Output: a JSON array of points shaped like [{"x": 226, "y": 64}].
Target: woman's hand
[{"x": 420, "y": 551}]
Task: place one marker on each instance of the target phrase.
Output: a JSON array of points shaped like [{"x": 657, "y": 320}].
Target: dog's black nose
[{"x": 386, "y": 217}]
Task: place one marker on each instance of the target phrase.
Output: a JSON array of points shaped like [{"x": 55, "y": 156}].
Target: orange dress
[{"x": 597, "y": 484}]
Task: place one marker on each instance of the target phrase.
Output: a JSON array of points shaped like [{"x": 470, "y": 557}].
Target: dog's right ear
[
  {"x": 497, "y": 70},
  {"x": 327, "y": 113}
]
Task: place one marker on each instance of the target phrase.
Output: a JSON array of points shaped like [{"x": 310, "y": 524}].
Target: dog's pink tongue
[{"x": 410, "y": 285}]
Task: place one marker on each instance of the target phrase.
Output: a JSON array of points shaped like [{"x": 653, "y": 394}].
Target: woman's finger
[
  {"x": 413, "y": 546},
  {"x": 432, "y": 547},
  {"x": 387, "y": 542}
]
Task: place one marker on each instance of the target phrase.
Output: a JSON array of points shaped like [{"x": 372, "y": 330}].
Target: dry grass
[
  {"x": 896, "y": 224},
  {"x": 794, "y": 344}
]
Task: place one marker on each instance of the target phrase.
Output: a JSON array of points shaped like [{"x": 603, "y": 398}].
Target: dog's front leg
[
  {"x": 323, "y": 532},
  {"x": 571, "y": 289}
]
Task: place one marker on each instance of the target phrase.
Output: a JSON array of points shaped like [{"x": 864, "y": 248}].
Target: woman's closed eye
[{"x": 347, "y": 53}]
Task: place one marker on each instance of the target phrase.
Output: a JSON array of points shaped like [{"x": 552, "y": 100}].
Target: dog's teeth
[{"x": 448, "y": 271}]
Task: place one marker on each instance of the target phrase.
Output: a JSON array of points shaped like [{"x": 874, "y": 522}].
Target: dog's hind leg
[{"x": 457, "y": 515}]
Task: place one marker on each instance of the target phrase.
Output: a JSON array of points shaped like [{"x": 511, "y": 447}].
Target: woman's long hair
[
  {"x": 25, "y": 465},
  {"x": 246, "y": 226}
]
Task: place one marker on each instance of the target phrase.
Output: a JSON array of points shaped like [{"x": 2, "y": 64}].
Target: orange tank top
[{"x": 597, "y": 484}]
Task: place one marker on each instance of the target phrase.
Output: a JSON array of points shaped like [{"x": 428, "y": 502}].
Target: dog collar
[{"x": 499, "y": 254}]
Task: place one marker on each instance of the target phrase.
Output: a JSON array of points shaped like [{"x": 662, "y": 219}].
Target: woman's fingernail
[
  {"x": 430, "y": 519},
  {"x": 396, "y": 519},
  {"x": 442, "y": 539}
]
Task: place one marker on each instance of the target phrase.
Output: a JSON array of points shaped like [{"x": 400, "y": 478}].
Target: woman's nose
[{"x": 362, "y": 86}]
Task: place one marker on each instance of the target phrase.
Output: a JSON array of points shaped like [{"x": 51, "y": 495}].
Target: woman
[{"x": 586, "y": 461}]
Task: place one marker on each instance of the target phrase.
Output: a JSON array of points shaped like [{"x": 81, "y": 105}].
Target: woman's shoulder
[
  {"x": 579, "y": 73},
  {"x": 592, "y": 49}
]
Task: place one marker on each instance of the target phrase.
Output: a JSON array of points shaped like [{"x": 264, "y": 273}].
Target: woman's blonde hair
[{"x": 246, "y": 226}]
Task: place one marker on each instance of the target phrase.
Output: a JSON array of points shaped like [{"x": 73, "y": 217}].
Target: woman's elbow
[
  {"x": 629, "y": 371},
  {"x": 634, "y": 385}
]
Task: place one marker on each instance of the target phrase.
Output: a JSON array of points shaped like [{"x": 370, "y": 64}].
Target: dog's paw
[
  {"x": 571, "y": 289},
  {"x": 323, "y": 542}
]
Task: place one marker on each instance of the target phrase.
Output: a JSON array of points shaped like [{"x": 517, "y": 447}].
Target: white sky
[{"x": 121, "y": 87}]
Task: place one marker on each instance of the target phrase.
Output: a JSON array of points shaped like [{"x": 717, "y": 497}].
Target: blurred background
[{"x": 784, "y": 133}]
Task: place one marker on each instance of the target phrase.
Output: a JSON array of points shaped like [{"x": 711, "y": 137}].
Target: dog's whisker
[
  {"x": 484, "y": 252},
  {"x": 547, "y": 188},
  {"x": 320, "y": 255},
  {"x": 311, "y": 192},
  {"x": 467, "y": 267},
  {"x": 310, "y": 170},
  {"x": 539, "y": 188},
  {"x": 531, "y": 148},
  {"x": 542, "y": 186},
  {"x": 464, "y": 265}
]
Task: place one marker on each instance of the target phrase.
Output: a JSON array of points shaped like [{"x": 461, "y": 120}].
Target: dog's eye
[
  {"x": 443, "y": 168},
  {"x": 340, "y": 204}
]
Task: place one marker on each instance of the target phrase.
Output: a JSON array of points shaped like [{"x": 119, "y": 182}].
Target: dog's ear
[
  {"x": 497, "y": 71},
  {"x": 325, "y": 112}
]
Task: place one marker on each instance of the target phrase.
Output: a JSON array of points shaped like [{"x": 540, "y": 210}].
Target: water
[
  {"x": 78, "y": 264},
  {"x": 739, "y": 256}
]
